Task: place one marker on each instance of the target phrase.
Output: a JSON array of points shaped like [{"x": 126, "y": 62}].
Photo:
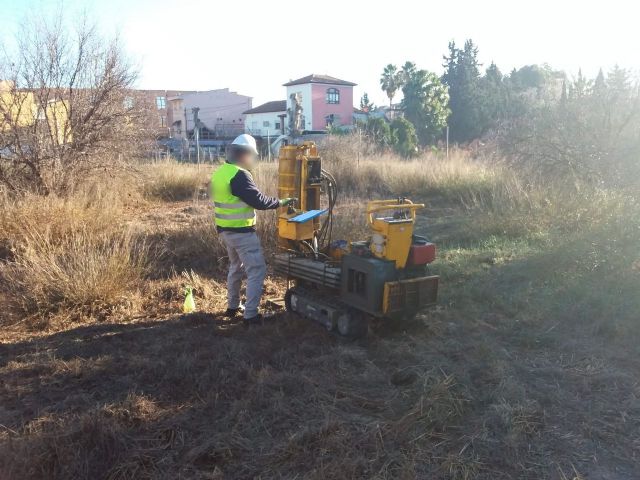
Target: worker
[{"x": 236, "y": 198}]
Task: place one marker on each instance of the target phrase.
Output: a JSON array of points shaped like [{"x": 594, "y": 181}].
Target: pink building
[{"x": 325, "y": 100}]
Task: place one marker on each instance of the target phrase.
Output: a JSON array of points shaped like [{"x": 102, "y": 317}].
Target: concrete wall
[
  {"x": 307, "y": 110},
  {"x": 217, "y": 107},
  {"x": 159, "y": 119},
  {"x": 176, "y": 116},
  {"x": 343, "y": 111}
]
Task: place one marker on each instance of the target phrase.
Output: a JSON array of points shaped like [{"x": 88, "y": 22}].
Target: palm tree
[
  {"x": 390, "y": 81},
  {"x": 407, "y": 71}
]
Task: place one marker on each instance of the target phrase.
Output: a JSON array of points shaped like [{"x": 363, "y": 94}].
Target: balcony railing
[
  {"x": 264, "y": 132},
  {"x": 219, "y": 131}
]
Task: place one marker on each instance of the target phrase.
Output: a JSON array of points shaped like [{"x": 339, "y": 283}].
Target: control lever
[{"x": 291, "y": 207}]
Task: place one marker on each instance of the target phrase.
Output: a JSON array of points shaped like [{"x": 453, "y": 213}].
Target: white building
[{"x": 266, "y": 119}]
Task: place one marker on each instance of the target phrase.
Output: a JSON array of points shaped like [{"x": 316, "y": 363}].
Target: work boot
[
  {"x": 257, "y": 320},
  {"x": 232, "y": 312}
]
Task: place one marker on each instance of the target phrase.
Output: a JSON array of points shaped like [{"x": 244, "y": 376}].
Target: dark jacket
[{"x": 243, "y": 187}]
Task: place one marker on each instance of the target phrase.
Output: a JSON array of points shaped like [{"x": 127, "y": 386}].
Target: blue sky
[{"x": 253, "y": 47}]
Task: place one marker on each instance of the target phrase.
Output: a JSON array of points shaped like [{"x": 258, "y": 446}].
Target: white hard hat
[{"x": 246, "y": 141}]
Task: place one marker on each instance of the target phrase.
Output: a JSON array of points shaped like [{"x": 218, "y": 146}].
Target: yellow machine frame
[
  {"x": 413, "y": 291},
  {"x": 294, "y": 182},
  {"x": 392, "y": 237}
]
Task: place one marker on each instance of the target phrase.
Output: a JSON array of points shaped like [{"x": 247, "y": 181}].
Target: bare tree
[{"x": 67, "y": 108}]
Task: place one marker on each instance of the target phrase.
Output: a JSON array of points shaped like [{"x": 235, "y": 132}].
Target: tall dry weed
[
  {"x": 72, "y": 253},
  {"x": 88, "y": 270},
  {"x": 170, "y": 180},
  {"x": 458, "y": 177}
]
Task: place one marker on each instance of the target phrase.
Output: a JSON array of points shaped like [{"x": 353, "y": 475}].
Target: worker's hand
[{"x": 287, "y": 201}]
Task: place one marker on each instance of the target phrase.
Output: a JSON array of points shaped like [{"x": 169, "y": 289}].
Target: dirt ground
[{"x": 461, "y": 393}]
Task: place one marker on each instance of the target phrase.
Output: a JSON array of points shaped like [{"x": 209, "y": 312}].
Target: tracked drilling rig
[{"x": 344, "y": 283}]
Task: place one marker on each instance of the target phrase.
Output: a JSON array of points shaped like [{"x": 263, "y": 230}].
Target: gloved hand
[{"x": 287, "y": 201}]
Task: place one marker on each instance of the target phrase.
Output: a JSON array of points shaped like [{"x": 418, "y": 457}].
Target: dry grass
[
  {"x": 71, "y": 256},
  {"x": 92, "y": 271},
  {"x": 36, "y": 215},
  {"x": 460, "y": 177},
  {"x": 172, "y": 181},
  {"x": 527, "y": 369}
]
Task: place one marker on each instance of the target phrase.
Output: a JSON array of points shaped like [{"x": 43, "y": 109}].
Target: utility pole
[
  {"x": 447, "y": 142},
  {"x": 186, "y": 134},
  {"x": 196, "y": 127},
  {"x": 198, "y": 147},
  {"x": 268, "y": 146}
]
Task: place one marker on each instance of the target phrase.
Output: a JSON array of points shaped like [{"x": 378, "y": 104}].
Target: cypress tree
[{"x": 462, "y": 76}]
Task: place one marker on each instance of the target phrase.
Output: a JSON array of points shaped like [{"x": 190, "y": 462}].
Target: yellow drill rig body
[{"x": 342, "y": 283}]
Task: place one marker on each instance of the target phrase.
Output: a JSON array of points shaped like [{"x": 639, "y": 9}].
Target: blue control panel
[{"x": 306, "y": 216}]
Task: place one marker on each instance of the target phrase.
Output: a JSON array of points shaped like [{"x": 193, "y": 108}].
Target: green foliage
[
  {"x": 564, "y": 95},
  {"x": 333, "y": 129},
  {"x": 531, "y": 88},
  {"x": 406, "y": 72},
  {"x": 580, "y": 87},
  {"x": 619, "y": 81},
  {"x": 592, "y": 134},
  {"x": 599, "y": 84},
  {"x": 390, "y": 81},
  {"x": 405, "y": 140},
  {"x": 425, "y": 103},
  {"x": 378, "y": 131},
  {"x": 494, "y": 98},
  {"x": 480, "y": 104},
  {"x": 534, "y": 83},
  {"x": 527, "y": 77},
  {"x": 579, "y": 130},
  {"x": 462, "y": 75},
  {"x": 365, "y": 104}
]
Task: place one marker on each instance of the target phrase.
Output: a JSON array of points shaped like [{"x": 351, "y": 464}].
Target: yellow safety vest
[{"x": 230, "y": 211}]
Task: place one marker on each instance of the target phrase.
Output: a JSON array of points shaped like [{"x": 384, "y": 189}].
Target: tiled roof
[
  {"x": 313, "y": 78},
  {"x": 274, "y": 106}
]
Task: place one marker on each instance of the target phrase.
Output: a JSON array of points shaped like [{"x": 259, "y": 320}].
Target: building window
[
  {"x": 128, "y": 103},
  {"x": 265, "y": 124},
  {"x": 333, "y": 96},
  {"x": 277, "y": 126},
  {"x": 161, "y": 102}
]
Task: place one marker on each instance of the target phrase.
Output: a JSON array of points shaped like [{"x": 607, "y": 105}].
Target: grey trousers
[{"x": 245, "y": 256}]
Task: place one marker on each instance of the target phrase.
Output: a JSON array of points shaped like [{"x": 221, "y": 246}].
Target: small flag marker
[{"x": 189, "y": 302}]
